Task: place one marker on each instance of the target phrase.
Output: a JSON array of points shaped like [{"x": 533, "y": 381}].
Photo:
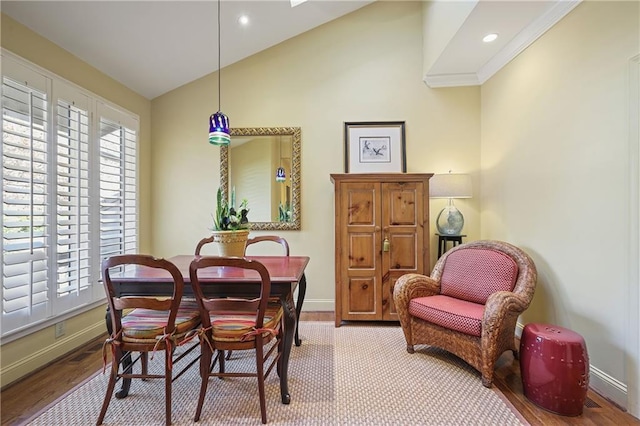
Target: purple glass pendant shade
[
  {"x": 280, "y": 175},
  {"x": 219, "y": 123},
  {"x": 219, "y": 129}
]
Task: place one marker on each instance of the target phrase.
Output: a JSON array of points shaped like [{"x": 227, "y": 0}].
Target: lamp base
[{"x": 450, "y": 221}]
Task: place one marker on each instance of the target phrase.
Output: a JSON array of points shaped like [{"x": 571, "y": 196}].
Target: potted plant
[{"x": 230, "y": 226}]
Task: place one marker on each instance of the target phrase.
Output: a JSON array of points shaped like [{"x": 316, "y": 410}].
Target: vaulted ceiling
[{"x": 153, "y": 47}]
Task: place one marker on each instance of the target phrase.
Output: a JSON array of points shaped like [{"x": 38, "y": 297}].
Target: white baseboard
[
  {"x": 36, "y": 360},
  {"x": 318, "y": 305},
  {"x": 605, "y": 385}
]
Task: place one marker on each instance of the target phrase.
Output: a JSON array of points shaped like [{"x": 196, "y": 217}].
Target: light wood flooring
[{"x": 22, "y": 399}]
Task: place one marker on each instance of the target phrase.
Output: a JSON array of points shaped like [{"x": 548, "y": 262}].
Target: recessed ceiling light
[
  {"x": 490, "y": 37},
  {"x": 295, "y": 3},
  {"x": 243, "y": 20}
]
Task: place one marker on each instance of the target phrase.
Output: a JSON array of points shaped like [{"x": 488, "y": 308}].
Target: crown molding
[
  {"x": 451, "y": 80},
  {"x": 526, "y": 38},
  {"x": 512, "y": 49}
]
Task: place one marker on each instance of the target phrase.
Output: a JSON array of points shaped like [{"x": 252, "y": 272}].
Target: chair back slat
[
  {"x": 246, "y": 305},
  {"x": 142, "y": 302}
]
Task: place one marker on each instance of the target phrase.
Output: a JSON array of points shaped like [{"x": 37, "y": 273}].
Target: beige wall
[
  {"x": 28, "y": 353},
  {"x": 366, "y": 66},
  {"x": 556, "y": 178},
  {"x": 441, "y": 21}
]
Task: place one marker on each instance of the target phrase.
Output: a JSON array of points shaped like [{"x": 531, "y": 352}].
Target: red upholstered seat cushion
[
  {"x": 236, "y": 326},
  {"x": 450, "y": 313},
  {"x": 146, "y": 324},
  {"x": 474, "y": 274}
]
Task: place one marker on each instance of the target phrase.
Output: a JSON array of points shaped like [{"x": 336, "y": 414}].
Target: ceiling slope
[
  {"x": 467, "y": 61},
  {"x": 154, "y": 46}
]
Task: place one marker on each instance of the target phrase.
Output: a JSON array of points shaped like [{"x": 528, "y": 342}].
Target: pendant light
[
  {"x": 281, "y": 176},
  {"x": 218, "y": 122}
]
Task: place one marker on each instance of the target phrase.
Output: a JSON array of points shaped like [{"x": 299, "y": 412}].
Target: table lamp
[{"x": 450, "y": 185}]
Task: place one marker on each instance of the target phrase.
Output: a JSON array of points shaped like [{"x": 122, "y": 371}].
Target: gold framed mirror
[{"x": 250, "y": 165}]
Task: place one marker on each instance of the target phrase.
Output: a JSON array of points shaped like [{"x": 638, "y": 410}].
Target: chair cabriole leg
[
  {"x": 144, "y": 361},
  {"x": 167, "y": 385},
  {"x": 115, "y": 363},
  {"x": 260, "y": 374},
  {"x": 205, "y": 362}
]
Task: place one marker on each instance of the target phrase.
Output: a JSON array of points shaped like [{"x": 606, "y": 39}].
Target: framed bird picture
[{"x": 374, "y": 147}]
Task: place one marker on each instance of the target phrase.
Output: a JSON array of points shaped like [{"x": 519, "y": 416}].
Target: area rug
[{"x": 351, "y": 375}]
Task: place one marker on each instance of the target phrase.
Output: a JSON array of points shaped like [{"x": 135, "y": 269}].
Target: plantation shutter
[
  {"x": 118, "y": 183},
  {"x": 25, "y": 185},
  {"x": 72, "y": 224},
  {"x": 69, "y": 186}
]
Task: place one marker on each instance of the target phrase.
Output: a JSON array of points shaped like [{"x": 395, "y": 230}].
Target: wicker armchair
[{"x": 470, "y": 304}]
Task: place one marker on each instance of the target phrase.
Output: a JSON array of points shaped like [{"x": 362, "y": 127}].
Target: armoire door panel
[
  {"x": 361, "y": 299},
  {"x": 402, "y": 206},
  {"x": 361, "y": 205},
  {"x": 403, "y": 252},
  {"x": 362, "y": 251}
]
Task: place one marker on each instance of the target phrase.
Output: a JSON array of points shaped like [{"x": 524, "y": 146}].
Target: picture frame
[{"x": 374, "y": 147}]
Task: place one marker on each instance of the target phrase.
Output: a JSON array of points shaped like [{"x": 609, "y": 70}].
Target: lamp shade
[{"x": 450, "y": 185}]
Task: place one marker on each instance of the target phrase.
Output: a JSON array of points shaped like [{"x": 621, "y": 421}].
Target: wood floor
[{"x": 30, "y": 395}]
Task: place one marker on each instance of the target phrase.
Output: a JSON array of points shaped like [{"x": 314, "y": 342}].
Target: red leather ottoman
[{"x": 554, "y": 366}]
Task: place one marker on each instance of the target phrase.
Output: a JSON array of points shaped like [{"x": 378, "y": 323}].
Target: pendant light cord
[{"x": 219, "y": 103}]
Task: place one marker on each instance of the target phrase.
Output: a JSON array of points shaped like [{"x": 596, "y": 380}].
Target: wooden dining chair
[
  {"x": 274, "y": 239},
  {"x": 302, "y": 285},
  {"x": 201, "y": 243},
  {"x": 269, "y": 238},
  {"x": 237, "y": 324},
  {"x": 254, "y": 240},
  {"x": 152, "y": 324}
]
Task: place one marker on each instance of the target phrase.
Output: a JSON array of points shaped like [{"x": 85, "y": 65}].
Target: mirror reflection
[
  {"x": 263, "y": 165},
  {"x": 254, "y": 163}
]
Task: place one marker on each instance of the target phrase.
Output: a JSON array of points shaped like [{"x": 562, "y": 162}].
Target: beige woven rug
[{"x": 352, "y": 375}]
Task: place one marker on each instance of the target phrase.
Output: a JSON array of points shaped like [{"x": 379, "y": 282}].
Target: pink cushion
[
  {"x": 236, "y": 326},
  {"x": 450, "y": 313},
  {"x": 474, "y": 274},
  {"x": 140, "y": 323}
]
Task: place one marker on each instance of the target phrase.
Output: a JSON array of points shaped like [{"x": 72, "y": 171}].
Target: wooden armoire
[{"x": 381, "y": 233}]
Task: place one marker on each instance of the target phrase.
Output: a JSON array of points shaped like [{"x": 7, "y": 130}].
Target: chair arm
[
  {"x": 410, "y": 286},
  {"x": 407, "y": 287},
  {"x": 501, "y": 305}
]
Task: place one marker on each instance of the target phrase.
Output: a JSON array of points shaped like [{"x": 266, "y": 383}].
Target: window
[{"x": 69, "y": 182}]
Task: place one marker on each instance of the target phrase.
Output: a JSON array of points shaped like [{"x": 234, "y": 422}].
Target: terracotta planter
[{"x": 231, "y": 243}]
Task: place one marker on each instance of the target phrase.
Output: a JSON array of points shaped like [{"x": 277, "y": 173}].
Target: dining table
[{"x": 286, "y": 274}]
